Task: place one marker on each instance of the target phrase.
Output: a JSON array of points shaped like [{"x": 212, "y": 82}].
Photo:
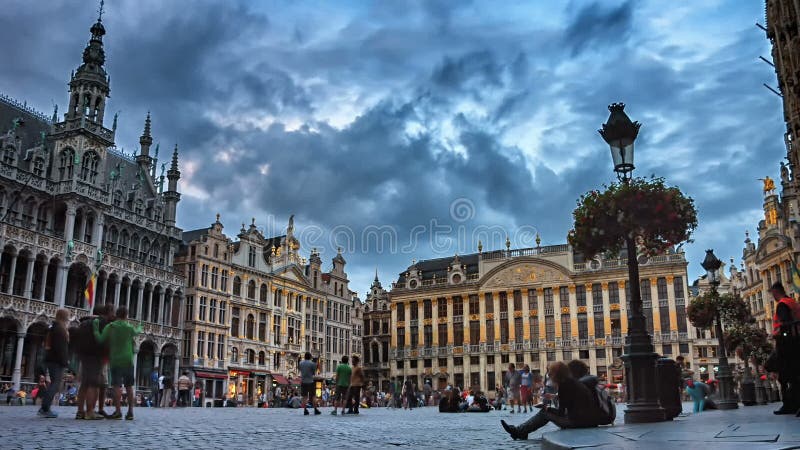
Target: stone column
[
  {"x": 82, "y": 228},
  {"x": 43, "y": 281},
  {"x": 511, "y": 328},
  {"x": 573, "y": 312},
  {"x": 69, "y": 225},
  {"x": 117, "y": 289},
  {"x": 17, "y": 374},
  {"x": 421, "y": 325},
  {"x": 590, "y": 301},
  {"x": 97, "y": 236},
  {"x": 482, "y": 314},
  {"x": 157, "y": 362},
  {"x": 11, "y": 275},
  {"x": 623, "y": 307},
  {"x": 162, "y": 306},
  {"x": 139, "y": 298},
  {"x": 61, "y": 284},
  {"x": 654, "y": 312},
  {"x": 526, "y": 320},
  {"x": 102, "y": 290},
  {"x": 28, "y": 289},
  {"x": 450, "y": 340},
  {"x": 149, "y": 315},
  {"x": 496, "y": 302},
  {"x": 407, "y": 306}
]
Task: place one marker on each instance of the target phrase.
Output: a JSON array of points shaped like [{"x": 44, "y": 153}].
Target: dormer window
[
  {"x": 251, "y": 256},
  {"x": 9, "y": 156},
  {"x": 66, "y": 162},
  {"x": 38, "y": 166},
  {"x": 89, "y": 167}
]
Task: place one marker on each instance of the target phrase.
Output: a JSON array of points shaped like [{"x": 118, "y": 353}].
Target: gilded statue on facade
[{"x": 769, "y": 185}]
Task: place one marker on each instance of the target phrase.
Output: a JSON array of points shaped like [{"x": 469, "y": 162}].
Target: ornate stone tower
[
  {"x": 145, "y": 141},
  {"x": 172, "y": 196}
]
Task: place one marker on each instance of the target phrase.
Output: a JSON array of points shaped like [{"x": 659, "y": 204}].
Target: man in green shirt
[
  {"x": 120, "y": 335},
  {"x": 343, "y": 372}
]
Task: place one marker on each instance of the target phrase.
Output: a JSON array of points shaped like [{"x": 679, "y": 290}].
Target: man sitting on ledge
[{"x": 576, "y": 406}]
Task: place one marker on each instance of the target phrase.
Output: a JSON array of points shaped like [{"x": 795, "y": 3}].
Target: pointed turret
[
  {"x": 89, "y": 85},
  {"x": 145, "y": 141},
  {"x": 171, "y": 196}
]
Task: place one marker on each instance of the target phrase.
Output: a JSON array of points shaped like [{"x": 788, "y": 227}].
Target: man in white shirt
[{"x": 160, "y": 389}]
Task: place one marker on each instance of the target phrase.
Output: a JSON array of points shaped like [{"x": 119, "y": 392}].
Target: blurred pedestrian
[
  {"x": 56, "y": 359},
  {"x": 120, "y": 335}
]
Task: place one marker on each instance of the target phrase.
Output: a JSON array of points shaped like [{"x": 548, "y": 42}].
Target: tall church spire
[
  {"x": 145, "y": 141},
  {"x": 89, "y": 85}
]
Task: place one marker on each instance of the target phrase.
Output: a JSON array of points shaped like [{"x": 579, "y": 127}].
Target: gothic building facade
[
  {"x": 377, "y": 335},
  {"x": 72, "y": 205}
]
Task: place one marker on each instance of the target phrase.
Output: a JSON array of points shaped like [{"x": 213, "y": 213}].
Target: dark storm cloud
[
  {"x": 385, "y": 115},
  {"x": 598, "y": 25}
]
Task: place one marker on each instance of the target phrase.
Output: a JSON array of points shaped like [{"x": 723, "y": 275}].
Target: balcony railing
[
  {"x": 503, "y": 315},
  {"x": 663, "y": 303},
  {"x": 597, "y": 308},
  {"x": 680, "y": 301},
  {"x": 548, "y": 310},
  {"x": 458, "y": 319}
]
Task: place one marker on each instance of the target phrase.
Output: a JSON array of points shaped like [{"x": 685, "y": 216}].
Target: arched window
[
  {"x": 234, "y": 354},
  {"x": 250, "y": 326},
  {"x": 261, "y": 358},
  {"x": 38, "y": 166},
  {"x": 263, "y": 294},
  {"x": 251, "y": 290},
  {"x": 251, "y": 356},
  {"x": 9, "y": 155},
  {"x": 111, "y": 238},
  {"x": 66, "y": 164},
  {"x": 134, "y": 246},
  {"x": 204, "y": 275},
  {"x": 118, "y": 198},
  {"x": 89, "y": 167},
  {"x": 144, "y": 248},
  {"x": 123, "y": 242},
  {"x": 237, "y": 286}
]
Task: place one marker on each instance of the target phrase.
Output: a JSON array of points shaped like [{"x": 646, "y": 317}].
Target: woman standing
[{"x": 356, "y": 382}]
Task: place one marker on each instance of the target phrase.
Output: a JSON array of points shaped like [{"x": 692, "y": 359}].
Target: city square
[{"x": 415, "y": 202}]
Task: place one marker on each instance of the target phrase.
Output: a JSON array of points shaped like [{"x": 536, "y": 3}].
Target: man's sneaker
[
  {"x": 115, "y": 416},
  {"x": 129, "y": 416},
  {"x": 93, "y": 417},
  {"x": 305, "y": 412},
  {"x": 42, "y": 412},
  {"x": 333, "y": 413},
  {"x": 50, "y": 415},
  {"x": 317, "y": 412},
  {"x": 103, "y": 413},
  {"x": 78, "y": 415}
]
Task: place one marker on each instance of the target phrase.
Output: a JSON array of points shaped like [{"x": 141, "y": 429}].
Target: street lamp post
[
  {"x": 640, "y": 356},
  {"x": 727, "y": 399}
]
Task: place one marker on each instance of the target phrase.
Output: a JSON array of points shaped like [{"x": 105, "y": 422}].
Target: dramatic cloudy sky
[{"x": 408, "y": 129}]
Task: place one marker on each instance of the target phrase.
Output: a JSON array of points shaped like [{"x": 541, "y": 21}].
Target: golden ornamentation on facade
[
  {"x": 600, "y": 342},
  {"x": 517, "y": 314},
  {"x": 414, "y": 353},
  {"x": 489, "y": 316},
  {"x": 588, "y": 287},
  {"x": 533, "y": 313},
  {"x": 565, "y": 310},
  {"x": 427, "y": 321},
  {"x": 621, "y": 284},
  {"x": 504, "y": 348},
  {"x": 581, "y": 309},
  {"x": 401, "y": 323},
  {"x": 474, "y": 317},
  {"x": 604, "y": 285},
  {"x": 458, "y": 350},
  {"x": 550, "y": 344},
  {"x": 670, "y": 279},
  {"x": 441, "y": 320},
  {"x": 571, "y": 289},
  {"x": 615, "y": 306}
]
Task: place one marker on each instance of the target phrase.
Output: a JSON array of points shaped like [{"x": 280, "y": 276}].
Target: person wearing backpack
[
  {"x": 606, "y": 409},
  {"x": 577, "y": 407},
  {"x": 56, "y": 359}
]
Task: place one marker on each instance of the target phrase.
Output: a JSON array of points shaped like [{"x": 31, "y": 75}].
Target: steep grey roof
[
  {"x": 438, "y": 266},
  {"x": 30, "y": 132}
]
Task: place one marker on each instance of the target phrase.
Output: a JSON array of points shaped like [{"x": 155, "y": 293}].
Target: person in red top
[{"x": 787, "y": 312}]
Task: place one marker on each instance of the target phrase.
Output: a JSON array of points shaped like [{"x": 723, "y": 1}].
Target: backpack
[{"x": 606, "y": 405}]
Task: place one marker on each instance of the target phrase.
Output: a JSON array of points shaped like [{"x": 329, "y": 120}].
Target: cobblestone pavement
[{"x": 234, "y": 428}]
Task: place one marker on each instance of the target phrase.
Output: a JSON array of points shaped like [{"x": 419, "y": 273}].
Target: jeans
[
  {"x": 183, "y": 397},
  {"x": 56, "y": 372},
  {"x": 354, "y": 394},
  {"x": 166, "y": 398},
  {"x": 542, "y": 418}
]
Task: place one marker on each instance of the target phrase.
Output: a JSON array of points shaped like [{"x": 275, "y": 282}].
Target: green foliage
[{"x": 656, "y": 215}]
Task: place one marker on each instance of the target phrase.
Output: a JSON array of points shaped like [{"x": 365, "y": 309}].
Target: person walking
[
  {"x": 308, "y": 369},
  {"x": 343, "y": 372},
  {"x": 526, "y": 383},
  {"x": 120, "y": 335},
  {"x": 513, "y": 381},
  {"x": 184, "y": 389},
  {"x": 354, "y": 392},
  {"x": 787, "y": 313},
  {"x": 408, "y": 393},
  {"x": 56, "y": 359},
  {"x": 166, "y": 397}
]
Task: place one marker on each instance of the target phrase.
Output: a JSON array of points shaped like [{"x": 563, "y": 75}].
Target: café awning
[
  {"x": 218, "y": 376},
  {"x": 280, "y": 379}
]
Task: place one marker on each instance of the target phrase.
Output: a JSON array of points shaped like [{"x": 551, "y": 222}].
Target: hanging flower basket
[
  {"x": 702, "y": 311},
  {"x": 658, "y": 216}
]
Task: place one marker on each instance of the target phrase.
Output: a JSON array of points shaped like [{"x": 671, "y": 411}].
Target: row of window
[
  {"x": 473, "y": 301},
  {"x": 337, "y": 340}
]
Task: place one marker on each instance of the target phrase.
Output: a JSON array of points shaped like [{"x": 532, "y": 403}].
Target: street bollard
[
  {"x": 747, "y": 388},
  {"x": 669, "y": 383},
  {"x": 761, "y": 393}
]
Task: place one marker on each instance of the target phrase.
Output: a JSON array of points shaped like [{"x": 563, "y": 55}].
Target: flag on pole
[
  {"x": 88, "y": 293},
  {"x": 795, "y": 277}
]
